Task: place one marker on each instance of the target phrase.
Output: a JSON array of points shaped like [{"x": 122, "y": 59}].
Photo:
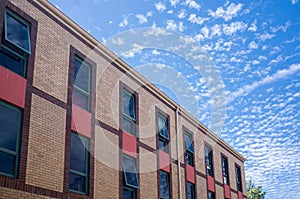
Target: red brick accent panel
[
  {"x": 240, "y": 195},
  {"x": 190, "y": 173},
  {"x": 164, "y": 161},
  {"x": 12, "y": 87},
  {"x": 81, "y": 121},
  {"x": 227, "y": 191},
  {"x": 129, "y": 144},
  {"x": 210, "y": 184}
]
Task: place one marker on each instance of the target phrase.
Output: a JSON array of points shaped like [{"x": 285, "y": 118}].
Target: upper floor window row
[{"x": 16, "y": 44}]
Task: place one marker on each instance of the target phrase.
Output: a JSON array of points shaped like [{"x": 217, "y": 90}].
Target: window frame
[
  {"x": 193, "y": 190},
  {"x": 131, "y": 190},
  {"x": 189, "y": 154},
  {"x": 161, "y": 138},
  {"x": 210, "y": 166},
  {"x": 168, "y": 184},
  {"x": 24, "y": 22},
  {"x": 124, "y": 173},
  {"x": 239, "y": 184},
  {"x": 225, "y": 170},
  {"x": 79, "y": 90},
  {"x": 85, "y": 175},
  {"x": 132, "y": 121},
  {"x": 16, "y": 153}
]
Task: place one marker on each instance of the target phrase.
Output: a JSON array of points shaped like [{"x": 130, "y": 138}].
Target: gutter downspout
[{"x": 178, "y": 153}]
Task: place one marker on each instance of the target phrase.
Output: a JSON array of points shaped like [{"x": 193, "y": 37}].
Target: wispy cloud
[
  {"x": 142, "y": 19},
  {"x": 160, "y": 6},
  {"x": 198, "y": 20},
  {"x": 192, "y": 4},
  {"x": 268, "y": 79},
  {"x": 230, "y": 29},
  {"x": 227, "y": 13}
]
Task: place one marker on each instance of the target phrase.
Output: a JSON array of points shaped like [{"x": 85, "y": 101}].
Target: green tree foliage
[{"x": 254, "y": 192}]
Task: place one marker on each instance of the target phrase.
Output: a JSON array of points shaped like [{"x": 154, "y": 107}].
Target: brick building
[{"x": 108, "y": 134}]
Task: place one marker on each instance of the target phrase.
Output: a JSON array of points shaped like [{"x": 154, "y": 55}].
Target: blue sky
[{"x": 255, "y": 46}]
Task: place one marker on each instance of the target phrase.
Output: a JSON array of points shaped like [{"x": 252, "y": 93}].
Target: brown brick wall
[
  {"x": 6, "y": 193},
  {"x": 174, "y": 181},
  {"x": 46, "y": 145},
  {"x": 219, "y": 192},
  {"x": 106, "y": 183},
  {"x": 201, "y": 187},
  {"x": 148, "y": 174}
]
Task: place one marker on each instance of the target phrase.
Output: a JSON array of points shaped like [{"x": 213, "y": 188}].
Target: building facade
[{"x": 77, "y": 122}]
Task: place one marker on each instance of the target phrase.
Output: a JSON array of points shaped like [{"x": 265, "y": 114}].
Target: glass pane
[
  {"x": 80, "y": 99},
  {"x": 78, "y": 154},
  {"x": 190, "y": 189},
  {"x": 17, "y": 32},
  {"x": 81, "y": 75},
  {"x": 163, "y": 126},
  {"x": 12, "y": 62},
  {"x": 189, "y": 159},
  {"x": 164, "y": 185},
  {"x": 128, "y": 105},
  {"x": 130, "y": 173},
  {"x": 163, "y": 145},
  {"x": 127, "y": 194},
  {"x": 9, "y": 127},
  {"x": 189, "y": 143},
  {"x": 77, "y": 183},
  {"x": 128, "y": 126},
  {"x": 211, "y": 195},
  {"x": 7, "y": 163}
]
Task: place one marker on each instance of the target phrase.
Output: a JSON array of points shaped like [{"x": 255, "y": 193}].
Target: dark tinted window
[
  {"x": 82, "y": 75},
  {"x": 209, "y": 161},
  {"x": 188, "y": 143},
  {"x": 17, "y": 31},
  {"x": 163, "y": 126},
  {"x": 225, "y": 170},
  {"x": 211, "y": 195},
  {"x": 190, "y": 191},
  {"x": 78, "y": 163},
  {"x": 10, "y": 127},
  {"x": 12, "y": 61},
  {"x": 238, "y": 178},
  {"x": 130, "y": 173},
  {"x": 128, "y": 194},
  {"x": 128, "y": 104},
  {"x": 164, "y": 185}
]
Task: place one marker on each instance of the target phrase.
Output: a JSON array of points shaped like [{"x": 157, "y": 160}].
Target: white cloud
[
  {"x": 227, "y": 14},
  {"x": 170, "y": 12},
  {"x": 253, "y": 45},
  {"x": 255, "y": 62},
  {"x": 245, "y": 90},
  {"x": 180, "y": 26},
  {"x": 174, "y": 2},
  {"x": 142, "y": 19},
  {"x": 234, "y": 27},
  {"x": 282, "y": 28},
  {"x": 155, "y": 52},
  {"x": 171, "y": 25},
  {"x": 149, "y": 14},
  {"x": 262, "y": 58},
  {"x": 266, "y": 36},
  {"x": 182, "y": 14},
  {"x": 216, "y": 30},
  {"x": 294, "y": 2},
  {"x": 198, "y": 20},
  {"x": 192, "y": 4},
  {"x": 253, "y": 26},
  {"x": 205, "y": 32},
  {"x": 160, "y": 7},
  {"x": 124, "y": 23}
]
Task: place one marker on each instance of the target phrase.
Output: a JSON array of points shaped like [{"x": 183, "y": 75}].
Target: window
[
  {"x": 238, "y": 178},
  {"x": 128, "y": 193},
  {"x": 225, "y": 170},
  {"x": 78, "y": 164},
  {"x": 211, "y": 195},
  {"x": 15, "y": 46},
  {"x": 130, "y": 173},
  {"x": 209, "y": 161},
  {"x": 189, "y": 147},
  {"x": 164, "y": 185},
  {"x": 163, "y": 133},
  {"x": 10, "y": 128},
  {"x": 82, "y": 81},
  {"x": 129, "y": 112},
  {"x": 190, "y": 191}
]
